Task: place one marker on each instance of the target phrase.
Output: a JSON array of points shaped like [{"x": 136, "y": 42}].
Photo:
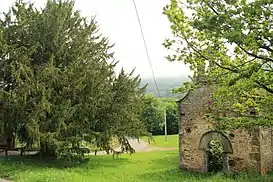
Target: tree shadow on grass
[
  {"x": 166, "y": 169},
  {"x": 11, "y": 165}
]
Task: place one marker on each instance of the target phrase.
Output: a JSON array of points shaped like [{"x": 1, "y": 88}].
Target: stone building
[{"x": 242, "y": 149}]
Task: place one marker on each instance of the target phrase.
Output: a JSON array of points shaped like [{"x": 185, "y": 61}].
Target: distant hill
[{"x": 165, "y": 85}]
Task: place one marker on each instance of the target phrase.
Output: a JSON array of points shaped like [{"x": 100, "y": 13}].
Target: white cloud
[{"x": 117, "y": 20}]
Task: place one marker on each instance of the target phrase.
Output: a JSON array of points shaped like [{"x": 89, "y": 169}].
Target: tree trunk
[{"x": 47, "y": 150}]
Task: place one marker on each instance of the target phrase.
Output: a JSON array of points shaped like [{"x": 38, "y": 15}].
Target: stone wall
[
  {"x": 191, "y": 156},
  {"x": 246, "y": 150},
  {"x": 246, "y": 144},
  {"x": 193, "y": 125},
  {"x": 266, "y": 138}
]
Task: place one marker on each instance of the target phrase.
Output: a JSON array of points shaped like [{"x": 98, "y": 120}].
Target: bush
[{"x": 215, "y": 151}]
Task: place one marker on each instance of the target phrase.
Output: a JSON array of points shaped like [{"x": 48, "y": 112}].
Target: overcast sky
[{"x": 117, "y": 20}]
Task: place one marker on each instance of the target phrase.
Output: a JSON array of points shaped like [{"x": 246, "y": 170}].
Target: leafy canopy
[
  {"x": 228, "y": 43},
  {"x": 153, "y": 116}
]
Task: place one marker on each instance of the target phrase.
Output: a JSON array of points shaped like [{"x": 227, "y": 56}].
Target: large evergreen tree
[{"x": 58, "y": 84}]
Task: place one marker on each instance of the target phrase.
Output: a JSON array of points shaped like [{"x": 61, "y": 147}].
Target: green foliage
[
  {"x": 142, "y": 167},
  {"x": 185, "y": 88},
  {"x": 230, "y": 123},
  {"x": 172, "y": 117},
  {"x": 152, "y": 115},
  {"x": 228, "y": 43},
  {"x": 215, "y": 151},
  {"x": 58, "y": 85}
]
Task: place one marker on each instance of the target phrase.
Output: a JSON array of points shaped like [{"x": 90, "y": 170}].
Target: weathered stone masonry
[{"x": 248, "y": 150}]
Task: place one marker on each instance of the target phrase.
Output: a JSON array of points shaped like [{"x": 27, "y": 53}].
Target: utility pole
[{"x": 165, "y": 119}]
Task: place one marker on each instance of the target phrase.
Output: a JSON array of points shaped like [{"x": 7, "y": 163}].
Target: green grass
[
  {"x": 172, "y": 141},
  {"x": 141, "y": 167},
  {"x": 114, "y": 143}
]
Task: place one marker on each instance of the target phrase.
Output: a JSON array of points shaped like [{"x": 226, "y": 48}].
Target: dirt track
[
  {"x": 3, "y": 180},
  {"x": 139, "y": 146}
]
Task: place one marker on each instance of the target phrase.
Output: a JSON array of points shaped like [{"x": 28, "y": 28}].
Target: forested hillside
[{"x": 165, "y": 85}]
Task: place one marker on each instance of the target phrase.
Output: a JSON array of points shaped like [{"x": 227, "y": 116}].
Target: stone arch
[
  {"x": 207, "y": 137},
  {"x": 227, "y": 148}
]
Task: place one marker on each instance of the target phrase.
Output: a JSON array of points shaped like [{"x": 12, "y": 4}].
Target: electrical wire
[
  {"x": 146, "y": 48},
  {"x": 151, "y": 66}
]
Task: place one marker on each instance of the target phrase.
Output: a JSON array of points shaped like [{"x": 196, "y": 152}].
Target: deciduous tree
[{"x": 230, "y": 42}]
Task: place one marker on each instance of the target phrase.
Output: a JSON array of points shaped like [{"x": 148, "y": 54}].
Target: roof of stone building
[{"x": 182, "y": 97}]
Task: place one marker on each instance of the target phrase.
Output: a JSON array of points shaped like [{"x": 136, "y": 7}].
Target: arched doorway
[{"x": 218, "y": 138}]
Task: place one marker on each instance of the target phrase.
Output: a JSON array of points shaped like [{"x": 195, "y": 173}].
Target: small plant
[
  {"x": 215, "y": 150},
  {"x": 151, "y": 138}
]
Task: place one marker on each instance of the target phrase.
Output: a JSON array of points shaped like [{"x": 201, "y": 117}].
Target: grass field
[
  {"x": 141, "y": 167},
  {"x": 172, "y": 141}
]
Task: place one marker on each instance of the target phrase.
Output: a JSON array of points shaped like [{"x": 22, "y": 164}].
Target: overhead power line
[
  {"x": 146, "y": 48},
  {"x": 151, "y": 66}
]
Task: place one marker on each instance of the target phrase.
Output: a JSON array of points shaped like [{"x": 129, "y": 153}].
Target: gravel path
[
  {"x": 3, "y": 180},
  {"x": 10, "y": 153},
  {"x": 142, "y": 146},
  {"x": 139, "y": 146}
]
